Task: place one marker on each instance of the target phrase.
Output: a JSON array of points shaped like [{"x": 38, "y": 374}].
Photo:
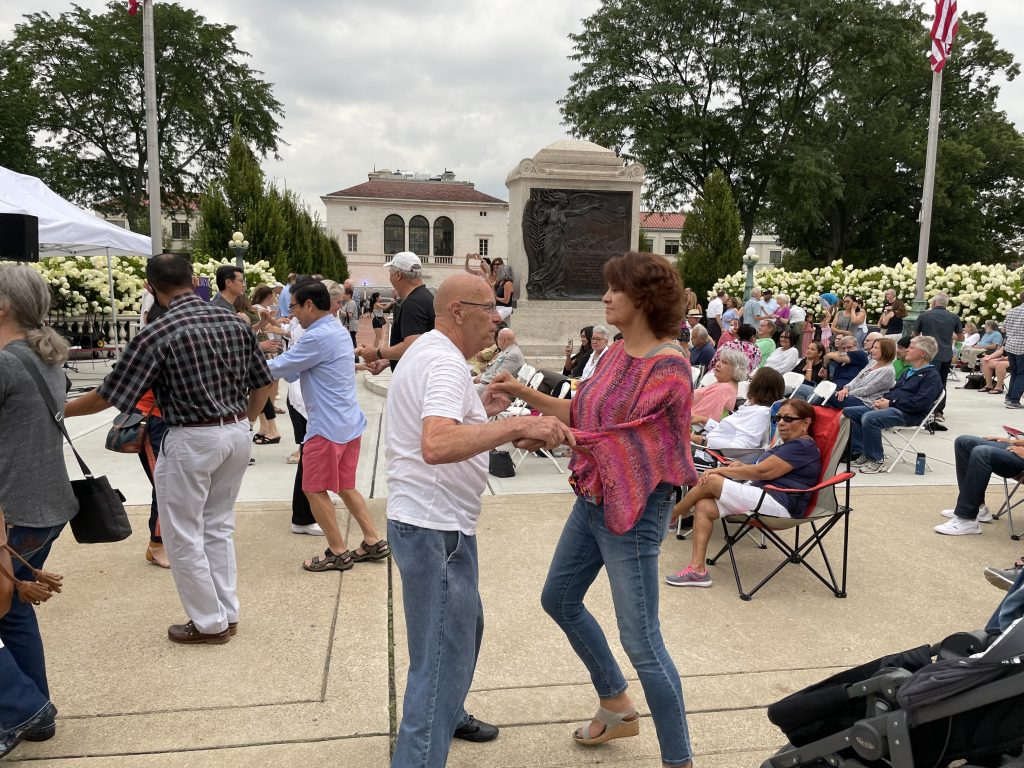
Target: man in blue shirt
[
  {"x": 322, "y": 362},
  {"x": 285, "y": 297},
  {"x": 905, "y": 404}
]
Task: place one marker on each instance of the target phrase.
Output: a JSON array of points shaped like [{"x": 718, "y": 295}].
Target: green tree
[
  {"x": 709, "y": 247},
  {"x": 87, "y": 71},
  {"x": 687, "y": 86},
  {"x": 853, "y": 188},
  {"x": 216, "y": 224},
  {"x": 18, "y": 117}
]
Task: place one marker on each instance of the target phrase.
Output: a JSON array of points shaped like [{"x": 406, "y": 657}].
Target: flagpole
[
  {"x": 152, "y": 145},
  {"x": 927, "y": 195}
]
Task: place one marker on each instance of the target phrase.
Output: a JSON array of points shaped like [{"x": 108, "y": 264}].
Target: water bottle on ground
[{"x": 920, "y": 466}]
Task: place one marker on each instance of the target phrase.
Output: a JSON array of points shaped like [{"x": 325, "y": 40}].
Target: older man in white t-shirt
[{"x": 437, "y": 437}]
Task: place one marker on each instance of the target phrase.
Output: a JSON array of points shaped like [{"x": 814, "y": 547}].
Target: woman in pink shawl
[
  {"x": 712, "y": 401},
  {"x": 631, "y": 421}
]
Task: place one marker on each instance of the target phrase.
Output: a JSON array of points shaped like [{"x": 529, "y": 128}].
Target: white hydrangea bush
[
  {"x": 79, "y": 286},
  {"x": 977, "y": 292}
]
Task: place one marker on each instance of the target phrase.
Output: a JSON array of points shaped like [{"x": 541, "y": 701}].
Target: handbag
[
  {"x": 974, "y": 381},
  {"x": 101, "y": 517},
  {"x": 46, "y": 584},
  {"x": 128, "y": 432},
  {"x": 499, "y": 464}
]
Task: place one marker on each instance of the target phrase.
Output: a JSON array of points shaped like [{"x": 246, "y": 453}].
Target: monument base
[{"x": 543, "y": 327}]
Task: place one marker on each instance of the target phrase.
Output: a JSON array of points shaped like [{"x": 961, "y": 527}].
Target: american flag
[
  {"x": 943, "y": 31},
  {"x": 133, "y": 7}
]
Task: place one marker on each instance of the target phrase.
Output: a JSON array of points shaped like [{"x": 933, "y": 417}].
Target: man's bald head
[
  {"x": 506, "y": 338},
  {"x": 462, "y": 287}
]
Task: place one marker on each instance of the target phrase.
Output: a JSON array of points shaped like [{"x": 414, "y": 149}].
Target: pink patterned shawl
[{"x": 631, "y": 421}]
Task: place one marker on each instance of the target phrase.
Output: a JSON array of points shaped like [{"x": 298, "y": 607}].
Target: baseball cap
[{"x": 407, "y": 261}]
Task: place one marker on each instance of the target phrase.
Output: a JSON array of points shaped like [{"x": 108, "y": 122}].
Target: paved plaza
[{"x": 317, "y": 670}]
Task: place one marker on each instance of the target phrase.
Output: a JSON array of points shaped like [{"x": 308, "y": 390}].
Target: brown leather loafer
[
  {"x": 232, "y": 628},
  {"x": 188, "y": 634}
]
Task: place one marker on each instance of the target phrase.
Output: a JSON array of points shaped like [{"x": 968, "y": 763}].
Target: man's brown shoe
[
  {"x": 232, "y": 628},
  {"x": 188, "y": 634}
]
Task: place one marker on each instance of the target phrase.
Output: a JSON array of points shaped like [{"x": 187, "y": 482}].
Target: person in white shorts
[{"x": 737, "y": 488}]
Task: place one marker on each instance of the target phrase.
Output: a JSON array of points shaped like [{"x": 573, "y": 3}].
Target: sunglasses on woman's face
[{"x": 788, "y": 419}]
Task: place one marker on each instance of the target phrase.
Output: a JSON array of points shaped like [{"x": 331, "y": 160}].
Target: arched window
[
  {"x": 394, "y": 234},
  {"x": 444, "y": 236},
  {"x": 419, "y": 236}
]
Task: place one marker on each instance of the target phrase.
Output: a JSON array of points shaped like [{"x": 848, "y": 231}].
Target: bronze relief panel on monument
[{"x": 569, "y": 235}]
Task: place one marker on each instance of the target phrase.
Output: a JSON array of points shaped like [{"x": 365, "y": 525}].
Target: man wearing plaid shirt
[
  {"x": 210, "y": 379},
  {"x": 1014, "y": 350}
]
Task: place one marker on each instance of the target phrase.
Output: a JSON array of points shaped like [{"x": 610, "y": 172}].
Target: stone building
[{"x": 439, "y": 218}]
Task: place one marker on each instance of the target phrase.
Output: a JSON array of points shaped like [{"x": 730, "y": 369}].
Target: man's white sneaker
[
  {"x": 958, "y": 527},
  {"x": 984, "y": 516},
  {"x": 313, "y": 529},
  {"x": 872, "y": 467}
]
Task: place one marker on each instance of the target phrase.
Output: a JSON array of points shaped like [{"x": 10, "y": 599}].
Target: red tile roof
[
  {"x": 417, "y": 190},
  {"x": 658, "y": 220}
]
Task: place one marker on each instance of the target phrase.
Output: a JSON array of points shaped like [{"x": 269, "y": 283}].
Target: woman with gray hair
[
  {"x": 712, "y": 401},
  {"x": 35, "y": 491}
]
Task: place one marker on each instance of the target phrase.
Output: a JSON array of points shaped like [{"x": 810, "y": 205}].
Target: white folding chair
[
  {"x": 696, "y": 371},
  {"x": 742, "y": 387},
  {"x": 822, "y": 393},
  {"x": 707, "y": 379},
  {"x": 792, "y": 381},
  {"x": 519, "y": 406},
  {"x": 892, "y": 434},
  {"x": 518, "y": 454}
]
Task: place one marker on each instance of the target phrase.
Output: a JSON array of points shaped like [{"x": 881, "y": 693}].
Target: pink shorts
[{"x": 328, "y": 466}]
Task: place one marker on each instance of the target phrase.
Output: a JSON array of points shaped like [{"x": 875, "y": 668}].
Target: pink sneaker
[{"x": 689, "y": 578}]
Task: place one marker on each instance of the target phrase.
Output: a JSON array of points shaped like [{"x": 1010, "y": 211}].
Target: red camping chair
[{"x": 831, "y": 431}]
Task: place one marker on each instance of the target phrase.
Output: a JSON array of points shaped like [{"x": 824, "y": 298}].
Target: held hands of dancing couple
[{"x": 544, "y": 431}]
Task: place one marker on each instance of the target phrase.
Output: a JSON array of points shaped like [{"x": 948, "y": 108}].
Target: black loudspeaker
[{"x": 19, "y": 237}]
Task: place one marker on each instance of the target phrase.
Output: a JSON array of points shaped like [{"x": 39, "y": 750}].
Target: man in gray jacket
[{"x": 509, "y": 358}]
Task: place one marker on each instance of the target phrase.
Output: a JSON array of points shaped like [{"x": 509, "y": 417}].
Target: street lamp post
[
  {"x": 749, "y": 262},
  {"x": 240, "y": 246}
]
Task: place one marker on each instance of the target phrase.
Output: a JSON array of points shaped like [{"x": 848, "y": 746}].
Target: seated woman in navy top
[{"x": 735, "y": 488}]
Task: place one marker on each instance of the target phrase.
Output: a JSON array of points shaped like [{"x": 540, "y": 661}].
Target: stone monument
[{"x": 572, "y": 206}]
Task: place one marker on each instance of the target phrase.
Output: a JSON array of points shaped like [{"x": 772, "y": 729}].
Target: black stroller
[{"x": 910, "y": 711}]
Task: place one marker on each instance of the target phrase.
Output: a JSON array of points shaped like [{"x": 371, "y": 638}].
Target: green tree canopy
[
  {"x": 87, "y": 73},
  {"x": 815, "y": 111},
  {"x": 709, "y": 246}
]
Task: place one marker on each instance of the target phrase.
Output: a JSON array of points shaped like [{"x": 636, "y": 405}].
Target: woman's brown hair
[{"x": 654, "y": 287}]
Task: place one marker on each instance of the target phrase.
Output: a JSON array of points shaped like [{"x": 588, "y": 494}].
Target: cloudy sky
[{"x": 465, "y": 85}]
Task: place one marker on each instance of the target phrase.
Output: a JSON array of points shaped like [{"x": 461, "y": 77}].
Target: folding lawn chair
[
  {"x": 522, "y": 409},
  {"x": 792, "y": 381},
  {"x": 822, "y": 393},
  {"x": 831, "y": 431},
  {"x": 891, "y": 434},
  {"x": 1008, "y": 503}
]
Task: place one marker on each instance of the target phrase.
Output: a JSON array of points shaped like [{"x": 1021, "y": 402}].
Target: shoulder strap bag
[
  {"x": 45, "y": 584},
  {"x": 101, "y": 516}
]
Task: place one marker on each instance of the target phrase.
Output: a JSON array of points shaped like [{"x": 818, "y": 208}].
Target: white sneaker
[
  {"x": 313, "y": 529},
  {"x": 984, "y": 516},
  {"x": 958, "y": 527}
]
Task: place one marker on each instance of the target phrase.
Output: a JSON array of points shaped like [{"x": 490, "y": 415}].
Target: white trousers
[{"x": 197, "y": 479}]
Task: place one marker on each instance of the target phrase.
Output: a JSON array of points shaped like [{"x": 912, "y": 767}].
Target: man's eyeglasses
[
  {"x": 293, "y": 305},
  {"x": 788, "y": 419},
  {"x": 489, "y": 308}
]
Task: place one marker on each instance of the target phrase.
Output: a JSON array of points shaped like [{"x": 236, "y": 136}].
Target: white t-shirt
[
  {"x": 797, "y": 314},
  {"x": 715, "y": 308},
  {"x": 432, "y": 380}
]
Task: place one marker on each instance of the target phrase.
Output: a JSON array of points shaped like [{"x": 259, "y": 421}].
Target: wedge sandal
[
  {"x": 616, "y": 726},
  {"x": 330, "y": 562},
  {"x": 378, "y": 551}
]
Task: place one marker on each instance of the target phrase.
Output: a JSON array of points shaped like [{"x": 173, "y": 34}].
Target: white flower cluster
[
  {"x": 976, "y": 292},
  {"x": 79, "y": 285}
]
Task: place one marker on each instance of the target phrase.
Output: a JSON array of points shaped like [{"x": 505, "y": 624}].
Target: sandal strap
[{"x": 611, "y": 719}]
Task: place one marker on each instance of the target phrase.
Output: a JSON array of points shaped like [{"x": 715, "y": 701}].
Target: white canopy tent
[{"x": 67, "y": 230}]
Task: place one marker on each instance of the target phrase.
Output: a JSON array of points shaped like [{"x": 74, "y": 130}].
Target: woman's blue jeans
[
  {"x": 587, "y": 546},
  {"x": 23, "y": 687},
  {"x": 444, "y": 621}
]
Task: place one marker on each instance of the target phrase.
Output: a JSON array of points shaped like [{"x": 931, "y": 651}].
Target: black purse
[
  {"x": 500, "y": 464},
  {"x": 128, "y": 432},
  {"x": 101, "y": 516}
]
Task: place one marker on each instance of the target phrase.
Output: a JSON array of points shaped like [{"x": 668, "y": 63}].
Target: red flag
[
  {"x": 943, "y": 31},
  {"x": 133, "y": 7}
]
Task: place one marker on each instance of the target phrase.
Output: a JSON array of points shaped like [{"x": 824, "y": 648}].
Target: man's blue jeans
[
  {"x": 977, "y": 460},
  {"x": 25, "y": 664},
  {"x": 585, "y": 547},
  {"x": 444, "y": 621},
  {"x": 1010, "y": 608},
  {"x": 867, "y": 425},
  {"x": 1016, "y": 370}
]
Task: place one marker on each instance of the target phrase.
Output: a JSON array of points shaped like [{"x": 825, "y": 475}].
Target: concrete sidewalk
[{"x": 317, "y": 670}]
